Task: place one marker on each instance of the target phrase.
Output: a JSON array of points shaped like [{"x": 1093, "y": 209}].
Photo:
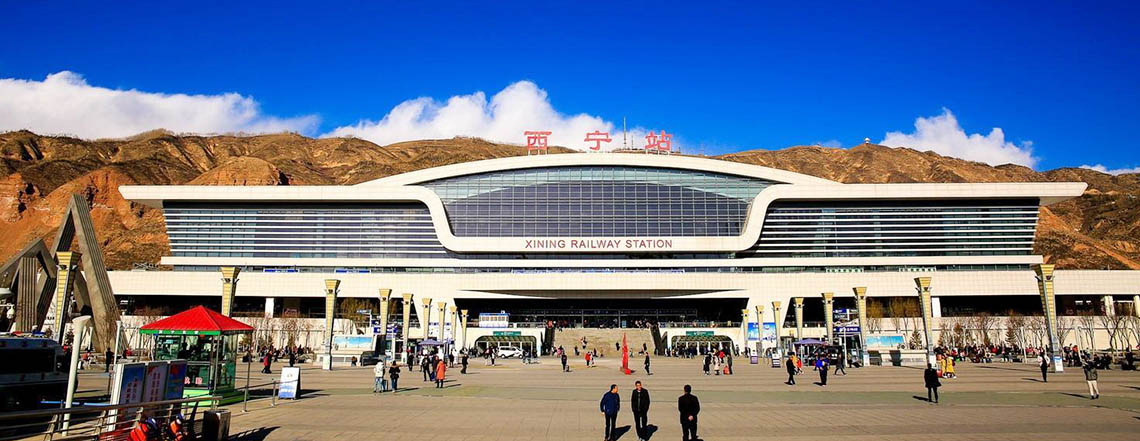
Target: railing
[{"x": 110, "y": 422}]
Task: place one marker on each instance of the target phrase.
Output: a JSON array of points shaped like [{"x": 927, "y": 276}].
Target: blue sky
[{"x": 1060, "y": 81}]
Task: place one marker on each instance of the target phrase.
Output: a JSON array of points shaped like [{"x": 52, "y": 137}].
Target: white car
[{"x": 508, "y": 352}]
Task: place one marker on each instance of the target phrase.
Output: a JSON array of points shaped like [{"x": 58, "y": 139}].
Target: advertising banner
[
  {"x": 290, "y": 382},
  {"x": 154, "y": 386},
  {"x": 769, "y": 334},
  {"x": 175, "y": 380},
  {"x": 753, "y": 331},
  {"x": 347, "y": 342},
  {"x": 494, "y": 320}
]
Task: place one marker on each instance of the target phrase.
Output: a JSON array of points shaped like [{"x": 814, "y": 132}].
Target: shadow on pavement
[
  {"x": 619, "y": 431},
  {"x": 920, "y": 398},
  {"x": 650, "y": 429},
  {"x": 253, "y": 435},
  {"x": 1032, "y": 379}
]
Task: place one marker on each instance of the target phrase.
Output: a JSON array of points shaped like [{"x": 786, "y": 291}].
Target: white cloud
[
  {"x": 943, "y": 135},
  {"x": 63, "y": 103},
  {"x": 1116, "y": 171},
  {"x": 831, "y": 143},
  {"x": 519, "y": 107}
]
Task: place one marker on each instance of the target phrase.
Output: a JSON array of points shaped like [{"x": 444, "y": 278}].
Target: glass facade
[
  {"x": 597, "y": 202},
  {"x": 897, "y": 228},
  {"x": 302, "y": 230}
]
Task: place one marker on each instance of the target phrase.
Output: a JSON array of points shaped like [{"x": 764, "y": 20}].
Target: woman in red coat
[{"x": 440, "y": 369}]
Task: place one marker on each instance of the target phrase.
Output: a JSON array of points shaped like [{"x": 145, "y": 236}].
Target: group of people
[
  {"x": 718, "y": 362},
  {"x": 794, "y": 365},
  {"x": 688, "y": 406}
]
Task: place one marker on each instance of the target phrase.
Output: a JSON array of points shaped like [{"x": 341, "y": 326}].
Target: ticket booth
[{"x": 207, "y": 341}]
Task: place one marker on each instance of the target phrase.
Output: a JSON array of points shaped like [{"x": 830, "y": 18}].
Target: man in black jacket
[
  {"x": 689, "y": 406},
  {"x": 930, "y": 377},
  {"x": 639, "y": 403},
  {"x": 791, "y": 367}
]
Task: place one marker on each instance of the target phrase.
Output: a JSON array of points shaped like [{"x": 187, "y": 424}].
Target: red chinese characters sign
[
  {"x": 597, "y": 138},
  {"x": 536, "y": 141},
  {"x": 659, "y": 143}
]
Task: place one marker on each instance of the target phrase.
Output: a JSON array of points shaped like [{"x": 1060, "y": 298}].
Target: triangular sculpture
[{"x": 38, "y": 276}]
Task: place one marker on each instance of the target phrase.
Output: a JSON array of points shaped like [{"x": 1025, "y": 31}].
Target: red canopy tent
[{"x": 198, "y": 320}]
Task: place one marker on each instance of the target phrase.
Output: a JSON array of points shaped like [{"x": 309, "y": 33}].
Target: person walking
[
  {"x": 1090, "y": 378},
  {"x": 463, "y": 363},
  {"x": 708, "y": 362},
  {"x": 647, "y": 365},
  {"x": 841, "y": 363},
  {"x": 292, "y": 358},
  {"x": 688, "y": 406},
  {"x": 109, "y": 360},
  {"x": 1044, "y": 368},
  {"x": 790, "y": 366},
  {"x": 267, "y": 362},
  {"x": 639, "y": 404},
  {"x": 930, "y": 376},
  {"x": 609, "y": 406},
  {"x": 440, "y": 373},
  {"x": 822, "y": 367},
  {"x": 378, "y": 372},
  {"x": 424, "y": 367},
  {"x": 728, "y": 357},
  {"x": 565, "y": 366},
  {"x": 394, "y": 374}
]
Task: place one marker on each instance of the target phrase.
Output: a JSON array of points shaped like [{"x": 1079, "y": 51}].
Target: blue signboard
[{"x": 753, "y": 331}]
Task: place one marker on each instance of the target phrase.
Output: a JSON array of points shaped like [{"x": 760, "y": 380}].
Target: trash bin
[
  {"x": 216, "y": 425},
  {"x": 755, "y": 359}
]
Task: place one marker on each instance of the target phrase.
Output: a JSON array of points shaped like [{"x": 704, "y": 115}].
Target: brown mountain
[{"x": 1099, "y": 230}]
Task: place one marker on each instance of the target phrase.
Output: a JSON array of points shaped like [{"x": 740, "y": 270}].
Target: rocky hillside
[{"x": 1099, "y": 230}]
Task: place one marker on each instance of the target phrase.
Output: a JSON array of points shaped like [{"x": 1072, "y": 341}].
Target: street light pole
[{"x": 80, "y": 325}]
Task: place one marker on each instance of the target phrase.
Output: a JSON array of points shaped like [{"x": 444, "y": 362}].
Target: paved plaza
[{"x": 512, "y": 401}]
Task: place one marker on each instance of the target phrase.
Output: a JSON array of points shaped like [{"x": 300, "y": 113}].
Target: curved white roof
[{"x": 597, "y": 159}]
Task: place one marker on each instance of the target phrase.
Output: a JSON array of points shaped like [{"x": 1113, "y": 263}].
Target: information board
[
  {"x": 154, "y": 387},
  {"x": 290, "y": 382},
  {"x": 175, "y": 379}
]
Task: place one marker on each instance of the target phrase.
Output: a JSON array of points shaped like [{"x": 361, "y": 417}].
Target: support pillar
[
  {"x": 463, "y": 323},
  {"x": 66, "y": 266},
  {"x": 861, "y": 305},
  {"x": 229, "y": 289},
  {"x": 269, "y": 307},
  {"x": 27, "y": 297},
  {"x": 779, "y": 325},
  {"x": 1109, "y": 305},
  {"x": 332, "y": 288},
  {"x": 760, "y": 329},
  {"x": 425, "y": 321},
  {"x": 385, "y": 294},
  {"x": 1049, "y": 307},
  {"x": 442, "y": 321},
  {"x": 744, "y": 328},
  {"x": 1136, "y": 305},
  {"x": 936, "y": 307},
  {"x": 922, "y": 285},
  {"x": 799, "y": 304},
  {"x": 829, "y": 315},
  {"x": 453, "y": 318},
  {"x": 407, "y": 304}
]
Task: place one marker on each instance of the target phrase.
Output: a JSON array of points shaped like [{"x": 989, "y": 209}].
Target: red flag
[{"x": 625, "y": 356}]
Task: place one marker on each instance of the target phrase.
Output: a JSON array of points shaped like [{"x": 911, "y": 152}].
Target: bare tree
[
  {"x": 1036, "y": 325},
  {"x": 1065, "y": 325},
  {"x": 1015, "y": 333},
  {"x": 1114, "y": 324},
  {"x": 983, "y": 324},
  {"x": 1087, "y": 322},
  {"x": 875, "y": 313}
]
